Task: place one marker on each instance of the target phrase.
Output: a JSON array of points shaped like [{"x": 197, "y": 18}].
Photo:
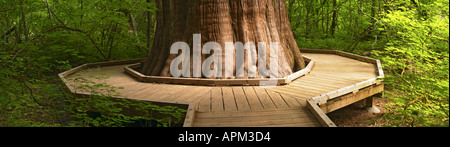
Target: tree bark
[
  {"x": 334, "y": 19},
  {"x": 222, "y": 21},
  {"x": 149, "y": 31},
  {"x": 24, "y": 22}
]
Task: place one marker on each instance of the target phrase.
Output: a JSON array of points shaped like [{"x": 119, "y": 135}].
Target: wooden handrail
[
  {"x": 216, "y": 82},
  {"x": 313, "y": 103},
  {"x": 323, "y": 98}
]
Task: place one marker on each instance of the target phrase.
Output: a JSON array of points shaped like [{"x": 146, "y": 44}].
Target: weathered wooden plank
[
  {"x": 317, "y": 51},
  {"x": 265, "y": 99},
  {"x": 293, "y": 117},
  {"x": 190, "y": 116},
  {"x": 292, "y": 94},
  {"x": 241, "y": 99},
  {"x": 333, "y": 94},
  {"x": 280, "y": 118},
  {"x": 316, "y": 90},
  {"x": 229, "y": 102},
  {"x": 216, "y": 100},
  {"x": 290, "y": 101},
  {"x": 293, "y": 124},
  {"x": 190, "y": 94},
  {"x": 295, "y": 92},
  {"x": 302, "y": 102},
  {"x": 199, "y": 95},
  {"x": 370, "y": 101},
  {"x": 263, "y": 123},
  {"x": 204, "y": 104},
  {"x": 252, "y": 98},
  {"x": 131, "y": 90},
  {"x": 154, "y": 94},
  {"x": 357, "y": 57},
  {"x": 326, "y": 78},
  {"x": 113, "y": 63},
  {"x": 320, "y": 85},
  {"x": 302, "y": 72},
  {"x": 255, "y": 114},
  {"x": 279, "y": 102},
  {"x": 74, "y": 70},
  {"x": 144, "y": 92},
  {"x": 171, "y": 93},
  {"x": 320, "y": 115},
  {"x": 380, "y": 69},
  {"x": 340, "y": 102}
]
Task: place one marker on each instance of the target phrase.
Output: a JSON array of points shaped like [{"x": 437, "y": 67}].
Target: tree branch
[
  {"x": 9, "y": 31},
  {"x": 75, "y": 30}
]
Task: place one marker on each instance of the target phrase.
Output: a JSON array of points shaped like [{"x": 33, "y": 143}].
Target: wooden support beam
[
  {"x": 190, "y": 115},
  {"x": 348, "y": 99},
  {"x": 370, "y": 101},
  {"x": 319, "y": 114}
]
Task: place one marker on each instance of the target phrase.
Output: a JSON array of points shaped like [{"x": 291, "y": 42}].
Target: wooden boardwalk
[{"x": 245, "y": 106}]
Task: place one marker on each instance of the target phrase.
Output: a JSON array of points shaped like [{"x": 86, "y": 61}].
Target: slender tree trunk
[
  {"x": 81, "y": 15},
  {"x": 111, "y": 40},
  {"x": 291, "y": 9},
  {"x": 334, "y": 20},
  {"x": 328, "y": 18},
  {"x": 222, "y": 21},
  {"x": 24, "y": 23},
  {"x": 133, "y": 25},
  {"x": 308, "y": 12},
  {"x": 322, "y": 11},
  {"x": 149, "y": 29}
]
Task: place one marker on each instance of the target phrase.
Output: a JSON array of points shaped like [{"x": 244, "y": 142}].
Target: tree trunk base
[{"x": 222, "y": 21}]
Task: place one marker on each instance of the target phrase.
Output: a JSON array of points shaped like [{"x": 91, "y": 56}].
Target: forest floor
[{"x": 355, "y": 115}]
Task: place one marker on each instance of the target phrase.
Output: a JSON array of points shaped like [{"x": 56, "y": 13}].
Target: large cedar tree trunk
[{"x": 222, "y": 21}]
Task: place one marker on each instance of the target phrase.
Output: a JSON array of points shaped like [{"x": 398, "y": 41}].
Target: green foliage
[
  {"x": 100, "y": 109},
  {"x": 416, "y": 56},
  {"x": 410, "y": 37},
  {"x": 39, "y": 39},
  {"x": 338, "y": 25}
]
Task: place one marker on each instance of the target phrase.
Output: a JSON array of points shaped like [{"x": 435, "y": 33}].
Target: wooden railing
[
  {"x": 314, "y": 103},
  {"x": 323, "y": 98},
  {"x": 217, "y": 82}
]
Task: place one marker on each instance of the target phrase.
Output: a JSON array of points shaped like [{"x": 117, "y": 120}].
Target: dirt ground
[{"x": 355, "y": 115}]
